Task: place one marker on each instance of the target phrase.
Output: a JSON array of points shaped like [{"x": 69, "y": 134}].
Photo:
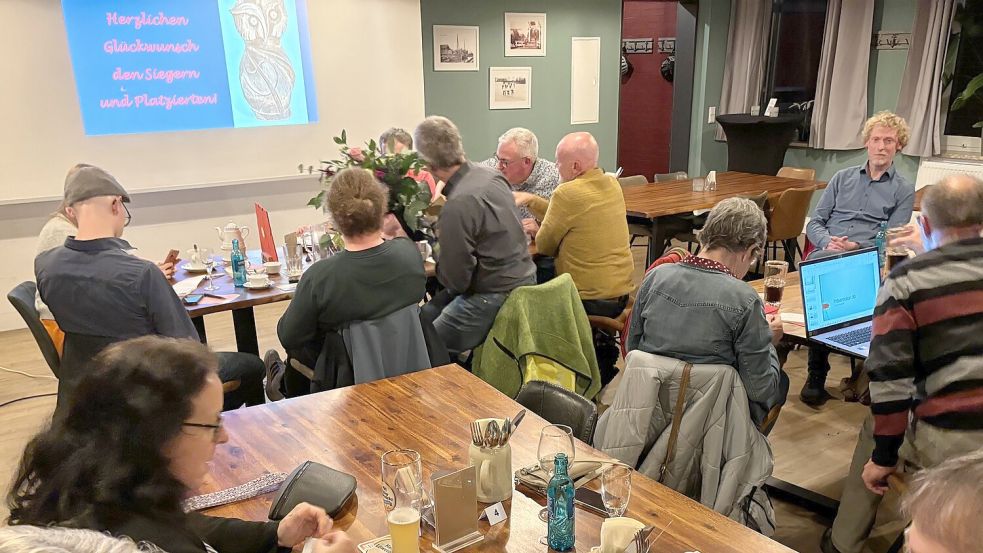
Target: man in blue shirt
[{"x": 850, "y": 212}]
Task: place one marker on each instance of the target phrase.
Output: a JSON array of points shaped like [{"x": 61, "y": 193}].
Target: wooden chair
[
  {"x": 785, "y": 221},
  {"x": 801, "y": 173},
  {"x": 636, "y": 227}
]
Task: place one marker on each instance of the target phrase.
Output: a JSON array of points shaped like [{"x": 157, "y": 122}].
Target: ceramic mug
[{"x": 493, "y": 466}]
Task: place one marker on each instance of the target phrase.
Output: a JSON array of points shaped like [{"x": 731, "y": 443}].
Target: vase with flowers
[{"x": 408, "y": 197}]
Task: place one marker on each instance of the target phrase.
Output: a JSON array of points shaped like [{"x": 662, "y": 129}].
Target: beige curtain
[
  {"x": 919, "y": 101},
  {"x": 747, "y": 56},
  {"x": 840, "y": 109}
]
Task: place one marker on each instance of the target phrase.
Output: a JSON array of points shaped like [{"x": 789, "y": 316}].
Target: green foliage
[{"x": 407, "y": 197}]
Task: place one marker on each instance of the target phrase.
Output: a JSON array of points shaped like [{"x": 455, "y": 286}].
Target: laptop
[{"x": 838, "y": 298}]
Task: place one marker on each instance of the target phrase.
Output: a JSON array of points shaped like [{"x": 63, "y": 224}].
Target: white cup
[
  {"x": 258, "y": 280},
  {"x": 272, "y": 267}
]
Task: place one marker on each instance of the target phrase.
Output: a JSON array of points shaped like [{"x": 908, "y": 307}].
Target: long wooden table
[
  {"x": 664, "y": 199},
  {"x": 429, "y": 411}
]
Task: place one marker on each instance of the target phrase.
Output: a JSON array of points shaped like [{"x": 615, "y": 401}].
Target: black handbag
[{"x": 316, "y": 484}]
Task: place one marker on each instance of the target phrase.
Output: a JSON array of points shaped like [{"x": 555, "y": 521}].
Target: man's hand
[
  {"x": 875, "y": 477},
  {"x": 908, "y": 237},
  {"x": 841, "y": 244},
  {"x": 335, "y": 542},
  {"x": 776, "y": 327},
  {"x": 304, "y": 521},
  {"x": 523, "y": 198},
  {"x": 531, "y": 227},
  {"x": 167, "y": 269}
]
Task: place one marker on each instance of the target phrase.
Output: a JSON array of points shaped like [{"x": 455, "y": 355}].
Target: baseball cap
[{"x": 90, "y": 182}]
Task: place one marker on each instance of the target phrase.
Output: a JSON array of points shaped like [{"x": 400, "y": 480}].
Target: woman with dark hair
[{"x": 134, "y": 440}]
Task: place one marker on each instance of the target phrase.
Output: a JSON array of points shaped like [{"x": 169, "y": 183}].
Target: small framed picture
[
  {"x": 510, "y": 87},
  {"x": 525, "y": 34},
  {"x": 455, "y": 48}
]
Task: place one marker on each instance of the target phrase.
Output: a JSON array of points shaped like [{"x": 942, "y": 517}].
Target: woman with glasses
[{"x": 133, "y": 441}]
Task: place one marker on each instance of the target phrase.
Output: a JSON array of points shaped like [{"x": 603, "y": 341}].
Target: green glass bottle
[{"x": 559, "y": 504}]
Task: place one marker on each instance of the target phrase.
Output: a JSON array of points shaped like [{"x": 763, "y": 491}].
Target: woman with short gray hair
[
  {"x": 700, "y": 311},
  {"x": 439, "y": 143},
  {"x": 52, "y": 539}
]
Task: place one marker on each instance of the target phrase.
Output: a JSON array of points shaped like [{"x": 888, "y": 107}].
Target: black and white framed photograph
[
  {"x": 510, "y": 87},
  {"x": 525, "y": 34},
  {"x": 455, "y": 48}
]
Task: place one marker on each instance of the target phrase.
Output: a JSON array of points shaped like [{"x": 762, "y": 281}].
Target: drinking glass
[
  {"x": 775, "y": 272},
  {"x": 895, "y": 254},
  {"x": 402, "y": 497},
  {"x": 616, "y": 489},
  {"x": 294, "y": 265},
  {"x": 555, "y": 438},
  {"x": 206, "y": 257}
]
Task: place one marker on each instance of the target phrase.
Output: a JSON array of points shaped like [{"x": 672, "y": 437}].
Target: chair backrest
[
  {"x": 788, "y": 214},
  {"x": 633, "y": 180},
  {"x": 22, "y": 298},
  {"x": 797, "y": 173},
  {"x": 666, "y": 177},
  {"x": 559, "y": 406}
]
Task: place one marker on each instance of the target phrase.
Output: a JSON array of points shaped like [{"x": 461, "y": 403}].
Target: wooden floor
[{"x": 812, "y": 447}]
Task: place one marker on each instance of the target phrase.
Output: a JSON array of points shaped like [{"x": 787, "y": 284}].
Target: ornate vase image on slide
[{"x": 265, "y": 72}]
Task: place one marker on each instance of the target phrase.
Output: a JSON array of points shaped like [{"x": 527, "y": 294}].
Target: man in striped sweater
[{"x": 926, "y": 359}]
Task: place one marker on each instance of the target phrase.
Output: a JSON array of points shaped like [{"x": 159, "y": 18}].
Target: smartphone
[
  {"x": 590, "y": 499},
  {"x": 172, "y": 256},
  {"x": 193, "y": 299}
]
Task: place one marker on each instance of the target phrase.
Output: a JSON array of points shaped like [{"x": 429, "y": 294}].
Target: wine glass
[
  {"x": 555, "y": 438},
  {"x": 209, "y": 262},
  {"x": 616, "y": 489}
]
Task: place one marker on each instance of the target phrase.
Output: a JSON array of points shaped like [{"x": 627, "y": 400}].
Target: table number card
[{"x": 455, "y": 502}]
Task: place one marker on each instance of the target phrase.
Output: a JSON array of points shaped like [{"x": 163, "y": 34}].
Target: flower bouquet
[{"x": 408, "y": 198}]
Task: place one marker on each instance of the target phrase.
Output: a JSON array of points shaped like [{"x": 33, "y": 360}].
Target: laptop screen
[{"x": 839, "y": 291}]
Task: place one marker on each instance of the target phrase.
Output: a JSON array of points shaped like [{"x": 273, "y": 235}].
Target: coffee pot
[{"x": 232, "y": 232}]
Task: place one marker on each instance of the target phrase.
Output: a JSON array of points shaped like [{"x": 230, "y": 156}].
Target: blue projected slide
[
  {"x": 165, "y": 65},
  {"x": 847, "y": 291}
]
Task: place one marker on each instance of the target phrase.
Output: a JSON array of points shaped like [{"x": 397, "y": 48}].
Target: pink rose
[
  {"x": 356, "y": 154},
  {"x": 380, "y": 174}
]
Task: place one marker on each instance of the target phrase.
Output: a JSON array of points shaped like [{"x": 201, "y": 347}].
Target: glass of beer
[
  {"x": 775, "y": 272},
  {"x": 894, "y": 254},
  {"x": 402, "y": 497}
]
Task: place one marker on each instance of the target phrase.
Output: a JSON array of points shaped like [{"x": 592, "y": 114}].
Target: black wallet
[{"x": 316, "y": 484}]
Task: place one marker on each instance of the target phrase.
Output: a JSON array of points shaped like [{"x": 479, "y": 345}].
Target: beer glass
[
  {"x": 894, "y": 255},
  {"x": 775, "y": 272},
  {"x": 402, "y": 497}
]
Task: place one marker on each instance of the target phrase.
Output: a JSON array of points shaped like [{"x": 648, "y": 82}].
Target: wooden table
[
  {"x": 429, "y": 411},
  {"x": 654, "y": 201}
]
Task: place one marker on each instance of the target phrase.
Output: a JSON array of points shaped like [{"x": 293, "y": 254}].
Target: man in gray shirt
[
  {"x": 100, "y": 294},
  {"x": 483, "y": 253},
  {"x": 850, "y": 212}
]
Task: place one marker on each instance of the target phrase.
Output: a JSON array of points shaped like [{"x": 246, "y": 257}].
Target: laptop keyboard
[{"x": 852, "y": 338}]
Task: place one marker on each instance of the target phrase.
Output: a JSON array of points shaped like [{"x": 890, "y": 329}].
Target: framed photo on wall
[
  {"x": 525, "y": 34},
  {"x": 455, "y": 48},
  {"x": 509, "y": 87}
]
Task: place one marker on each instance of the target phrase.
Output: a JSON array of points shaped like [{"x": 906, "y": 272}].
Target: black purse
[{"x": 316, "y": 484}]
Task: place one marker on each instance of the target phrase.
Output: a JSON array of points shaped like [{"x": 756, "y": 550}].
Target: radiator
[{"x": 932, "y": 170}]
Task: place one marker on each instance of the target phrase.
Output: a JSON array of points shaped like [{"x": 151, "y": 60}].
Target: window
[
  {"x": 793, "y": 63},
  {"x": 963, "y": 105}
]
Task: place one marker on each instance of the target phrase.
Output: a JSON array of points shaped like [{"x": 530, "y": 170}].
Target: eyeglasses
[
  {"x": 504, "y": 163},
  {"x": 215, "y": 428},
  {"x": 125, "y": 210}
]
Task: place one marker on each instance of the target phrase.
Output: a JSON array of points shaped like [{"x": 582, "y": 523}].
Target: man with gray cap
[
  {"x": 483, "y": 254},
  {"x": 100, "y": 294}
]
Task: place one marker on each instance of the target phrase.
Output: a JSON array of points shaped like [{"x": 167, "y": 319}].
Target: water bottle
[
  {"x": 238, "y": 265},
  {"x": 880, "y": 240},
  {"x": 559, "y": 505}
]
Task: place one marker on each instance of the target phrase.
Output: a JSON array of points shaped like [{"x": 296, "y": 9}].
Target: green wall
[
  {"x": 886, "y": 69},
  {"x": 463, "y": 96}
]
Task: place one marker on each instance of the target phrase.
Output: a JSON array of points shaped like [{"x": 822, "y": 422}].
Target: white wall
[{"x": 369, "y": 76}]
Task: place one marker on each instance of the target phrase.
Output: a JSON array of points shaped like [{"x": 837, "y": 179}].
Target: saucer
[
  {"x": 260, "y": 287},
  {"x": 188, "y": 267}
]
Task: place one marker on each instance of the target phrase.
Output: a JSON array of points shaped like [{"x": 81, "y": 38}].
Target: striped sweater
[{"x": 926, "y": 355}]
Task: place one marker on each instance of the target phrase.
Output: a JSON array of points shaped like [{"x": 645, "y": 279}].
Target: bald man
[
  {"x": 926, "y": 377},
  {"x": 584, "y": 225}
]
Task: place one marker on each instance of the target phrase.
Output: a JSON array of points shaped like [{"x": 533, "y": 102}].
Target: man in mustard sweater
[{"x": 584, "y": 225}]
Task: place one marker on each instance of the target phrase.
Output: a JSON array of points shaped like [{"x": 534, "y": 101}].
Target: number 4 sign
[{"x": 495, "y": 514}]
